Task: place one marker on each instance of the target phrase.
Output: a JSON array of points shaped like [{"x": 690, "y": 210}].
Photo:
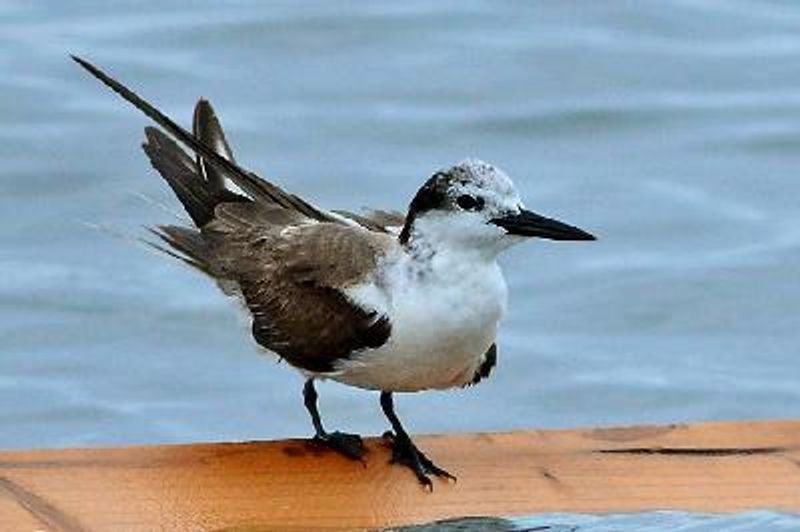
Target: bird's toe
[
  {"x": 404, "y": 452},
  {"x": 349, "y": 445}
]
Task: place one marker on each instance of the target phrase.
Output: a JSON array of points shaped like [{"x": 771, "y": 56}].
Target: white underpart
[
  {"x": 444, "y": 304},
  {"x": 443, "y": 292}
]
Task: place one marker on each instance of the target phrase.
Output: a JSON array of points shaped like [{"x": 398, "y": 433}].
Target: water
[
  {"x": 754, "y": 521},
  {"x": 670, "y": 129}
]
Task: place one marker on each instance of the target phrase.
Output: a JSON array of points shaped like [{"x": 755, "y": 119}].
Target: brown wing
[
  {"x": 387, "y": 218},
  {"x": 288, "y": 258},
  {"x": 288, "y": 267},
  {"x": 376, "y": 220},
  {"x": 292, "y": 281}
]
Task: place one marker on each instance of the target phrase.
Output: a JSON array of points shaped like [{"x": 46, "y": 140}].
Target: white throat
[{"x": 466, "y": 236}]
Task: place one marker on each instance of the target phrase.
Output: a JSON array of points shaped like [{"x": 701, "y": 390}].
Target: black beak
[{"x": 527, "y": 223}]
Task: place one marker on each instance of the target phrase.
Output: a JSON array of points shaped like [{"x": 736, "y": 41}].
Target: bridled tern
[{"x": 380, "y": 301}]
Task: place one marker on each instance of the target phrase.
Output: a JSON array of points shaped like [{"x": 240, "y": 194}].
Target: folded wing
[{"x": 289, "y": 260}]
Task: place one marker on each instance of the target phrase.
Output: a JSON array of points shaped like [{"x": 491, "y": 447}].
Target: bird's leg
[
  {"x": 350, "y": 445},
  {"x": 405, "y": 452}
]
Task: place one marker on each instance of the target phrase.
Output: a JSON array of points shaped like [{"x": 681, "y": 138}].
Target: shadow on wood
[{"x": 297, "y": 485}]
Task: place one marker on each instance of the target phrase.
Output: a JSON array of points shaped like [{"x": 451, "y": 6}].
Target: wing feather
[
  {"x": 290, "y": 260},
  {"x": 250, "y": 183},
  {"x": 487, "y": 365},
  {"x": 293, "y": 283}
]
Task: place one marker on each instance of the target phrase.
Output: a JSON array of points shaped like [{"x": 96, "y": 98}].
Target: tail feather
[
  {"x": 259, "y": 189},
  {"x": 198, "y": 195},
  {"x": 167, "y": 251},
  {"x": 184, "y": 244},
  {"x": 208, "y": 130},
  {"x": 181, "y": 174}
]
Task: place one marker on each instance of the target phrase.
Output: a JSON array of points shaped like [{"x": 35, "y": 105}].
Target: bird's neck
[
  {"x": 464, "y": 288},
  {"x": 430, "y": 261},
  {"x": 435, "y": 236}
]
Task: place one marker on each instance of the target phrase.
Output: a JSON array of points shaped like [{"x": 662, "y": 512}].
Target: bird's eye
[{"x": 469, "y": 203}]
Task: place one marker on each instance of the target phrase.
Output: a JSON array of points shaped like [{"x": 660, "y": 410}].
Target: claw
[
  {"x": 349, "y": 445},
  {"x": 404, "y": 452}
]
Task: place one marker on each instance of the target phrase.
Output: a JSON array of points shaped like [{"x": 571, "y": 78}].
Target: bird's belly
[{"x": 439, "y": 336}]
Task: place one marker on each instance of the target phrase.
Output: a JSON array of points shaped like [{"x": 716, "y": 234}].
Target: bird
[{"x": 381, "y": 300}]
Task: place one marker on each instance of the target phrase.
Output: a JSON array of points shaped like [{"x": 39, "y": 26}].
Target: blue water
[
  {"x": 752, "y": 521},
  {"x": 662, "y": 521},
  {"x": 670, "y": 129}
]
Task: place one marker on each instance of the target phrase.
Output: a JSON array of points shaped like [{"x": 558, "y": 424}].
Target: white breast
[{"x": 444, "y": 314}]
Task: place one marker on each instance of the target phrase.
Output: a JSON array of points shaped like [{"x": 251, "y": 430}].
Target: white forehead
[{"x": 482, "y": 176}]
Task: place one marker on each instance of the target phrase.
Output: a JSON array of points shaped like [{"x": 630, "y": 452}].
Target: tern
[{"x": 381, "y": 301}]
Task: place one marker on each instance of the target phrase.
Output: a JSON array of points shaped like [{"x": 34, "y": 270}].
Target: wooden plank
[{"x": 293, "y": 484}]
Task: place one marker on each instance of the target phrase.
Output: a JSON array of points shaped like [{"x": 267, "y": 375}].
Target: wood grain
[{"x": 294, "y": 485}]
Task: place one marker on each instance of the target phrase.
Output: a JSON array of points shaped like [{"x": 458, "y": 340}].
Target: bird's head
[{"x": 474, "y": 205}]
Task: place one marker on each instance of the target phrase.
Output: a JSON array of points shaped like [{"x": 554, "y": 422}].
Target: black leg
[
  {"x": 405, "y": 452},
  {"x": 350, "y": 445}
]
